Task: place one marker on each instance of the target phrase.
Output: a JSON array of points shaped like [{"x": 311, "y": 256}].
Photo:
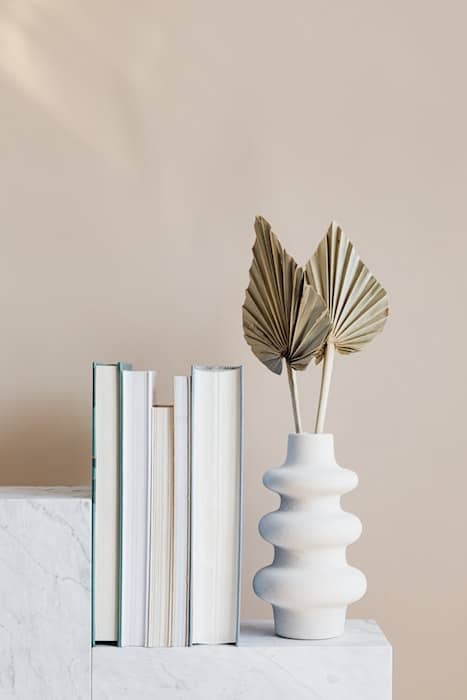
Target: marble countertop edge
[{"x": 45, "y": 492}]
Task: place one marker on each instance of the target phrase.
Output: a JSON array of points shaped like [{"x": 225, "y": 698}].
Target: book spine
[
  {"x": 240, "y": 538},
  {"x": 149, "y": 504},
  {"x": 121, "y": 366},
  {"x": 93, "y": 504},
  {"x": 181, "y": 511},
  {"x": 188, "y": 581},
  {"x": 138, "y": 396},
  {"x": 190, "y": 512}
]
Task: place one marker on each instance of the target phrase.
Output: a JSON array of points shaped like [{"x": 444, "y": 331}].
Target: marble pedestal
[
  {"x": 45, "y": 610},
  {"x": 45, "y": 546},
  {"x": 356, "y": 666}
]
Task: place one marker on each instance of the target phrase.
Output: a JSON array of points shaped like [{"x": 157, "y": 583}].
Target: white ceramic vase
[{"x": 309, "y": 583}]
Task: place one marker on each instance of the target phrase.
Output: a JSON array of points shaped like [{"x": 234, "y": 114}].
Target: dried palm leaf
[
  {"x": 357, "y": 303},
  {"x": 283, "y": 317}
]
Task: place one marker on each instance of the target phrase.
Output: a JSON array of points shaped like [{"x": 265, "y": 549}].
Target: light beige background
[{"x": 137, "y": 142}]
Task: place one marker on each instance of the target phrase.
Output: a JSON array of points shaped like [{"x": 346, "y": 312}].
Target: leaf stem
[
  {"x": 294, "y": 396},
  {"x": 326, "y": 375}
]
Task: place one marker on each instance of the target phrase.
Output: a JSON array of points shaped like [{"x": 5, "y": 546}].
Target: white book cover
[
  {"x": 216, "y": 503},
  {"x": 161, "y": 533},
  {"x": 138, "y": 397},
  {"x": 181, "y": 511}
]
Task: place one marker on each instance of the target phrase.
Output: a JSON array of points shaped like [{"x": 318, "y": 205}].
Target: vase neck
[{"x": 307, "y": 448}]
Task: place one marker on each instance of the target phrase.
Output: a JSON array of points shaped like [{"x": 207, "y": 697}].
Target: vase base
[{"x": 322, "y": 623}]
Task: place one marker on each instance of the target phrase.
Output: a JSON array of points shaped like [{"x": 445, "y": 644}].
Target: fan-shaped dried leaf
[
  {"x": 357, "y": 303},
  {"x": 283, "y": 317}
]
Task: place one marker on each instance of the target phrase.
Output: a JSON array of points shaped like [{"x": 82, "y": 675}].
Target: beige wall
[{"x": 137, "y": 142}]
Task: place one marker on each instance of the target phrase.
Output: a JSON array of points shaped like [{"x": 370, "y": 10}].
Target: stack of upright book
[{"x": 167, "y": 507}]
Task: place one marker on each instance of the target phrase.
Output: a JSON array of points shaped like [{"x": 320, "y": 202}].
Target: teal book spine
[
  {"x": 93, "y": 497},
  {"x": 122, "y": 366},
  {"x": 94, "y": 471}
]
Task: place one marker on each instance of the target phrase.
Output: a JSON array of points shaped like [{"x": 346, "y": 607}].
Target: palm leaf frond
[
  {"x": 356, "y": 302},
  {"x": 283, "y": 316}
]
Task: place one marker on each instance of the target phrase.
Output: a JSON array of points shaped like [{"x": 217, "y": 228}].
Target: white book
[
  {"x": 181, "y": 511},
  {"x": 106, "y": 477},
  {"x": 138, "y": 388},
  {"x": 216, "y": 503},
  {"x": 161, "y": 532}
]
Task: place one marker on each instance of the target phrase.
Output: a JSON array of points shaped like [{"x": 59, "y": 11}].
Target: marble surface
[
  {"x": 358, "y": 633},
  {"x": 45, "y": 653},
  {"x": 45, "y": 540},
  {"x": 356, "y": 666},
  {"x": 47, "y": 492}
]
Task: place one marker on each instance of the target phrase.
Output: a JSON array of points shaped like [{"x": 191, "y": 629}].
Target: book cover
[{"x": 106, "y": 424}]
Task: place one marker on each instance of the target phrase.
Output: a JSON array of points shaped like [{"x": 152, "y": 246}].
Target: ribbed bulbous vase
[{"x": 309, "y": 583}]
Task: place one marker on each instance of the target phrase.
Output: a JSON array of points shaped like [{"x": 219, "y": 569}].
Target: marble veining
[
  {"x": 45, "y": 539},
  {"x": 45, "y": 654}
]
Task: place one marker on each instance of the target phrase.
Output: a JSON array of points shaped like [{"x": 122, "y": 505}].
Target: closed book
[
  {"x": 216, "y": 503},
  {"x": 161, "y": 529},
  {"x": 181, "y": 523},
  {"x": 106, "y": 456},
  {"x": 138, "y": 397}
]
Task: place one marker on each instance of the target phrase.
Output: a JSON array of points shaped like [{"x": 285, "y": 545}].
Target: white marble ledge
[
  {"x": 48, "y": 492},
  {"x": 356, "y": 666},
  {"x": 45, "y": 593},
  {"x": 358, "y": 633}
]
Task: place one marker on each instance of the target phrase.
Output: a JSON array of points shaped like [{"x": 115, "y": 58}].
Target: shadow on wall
[
  {"x": 43, "y": 448},
  {"x": 81, "y": 72}
]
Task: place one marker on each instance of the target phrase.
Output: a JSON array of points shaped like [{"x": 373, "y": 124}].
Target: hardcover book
[
  {"x": 216, "y": 503},
  {"x": 181, "y": 525},
  {"x": 138, "y": 397},
  {"x": 161, "y": 530},
  {"x": 106, "y": 457}
]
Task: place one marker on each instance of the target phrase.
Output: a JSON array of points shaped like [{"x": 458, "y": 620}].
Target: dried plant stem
[
  {"x": 294, "y": 396},
  {"x": 326, "y": 375}
]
